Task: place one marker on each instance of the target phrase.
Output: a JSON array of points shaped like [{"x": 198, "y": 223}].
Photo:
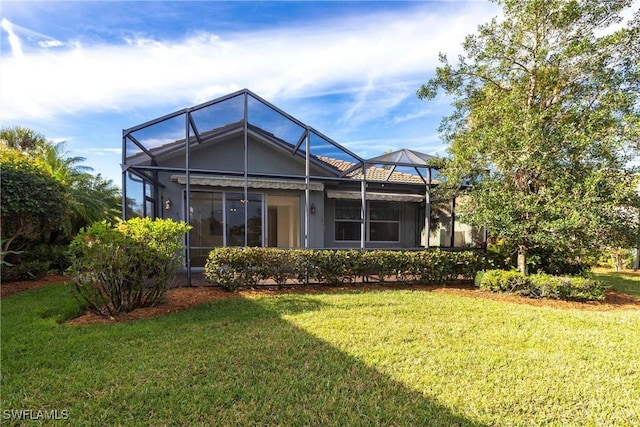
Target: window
[
  {"x": 383, "y": 223},
  {"x": 347, "y": 220}
]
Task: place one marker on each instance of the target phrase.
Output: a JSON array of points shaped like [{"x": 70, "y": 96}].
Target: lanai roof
[
  {"x": 147, "y": 143},
  {"x": 405, "y": 157}
]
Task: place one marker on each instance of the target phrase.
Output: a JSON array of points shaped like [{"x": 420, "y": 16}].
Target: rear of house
[{"x": 244, "y": 173}]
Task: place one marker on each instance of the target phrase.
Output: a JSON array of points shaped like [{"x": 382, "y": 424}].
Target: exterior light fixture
[
  {"x": 167, "y": 205},
  {"x": 312, "y": 208}
]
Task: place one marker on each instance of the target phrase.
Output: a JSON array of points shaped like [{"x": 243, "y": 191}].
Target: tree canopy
[
  {"x": 32, "y": 201},
  {"x": 30, "y": 161},
  {"x": 545, "y": 124}
]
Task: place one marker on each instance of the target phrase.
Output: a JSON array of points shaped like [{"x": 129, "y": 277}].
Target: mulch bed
[{"x": 181, "y": 298}]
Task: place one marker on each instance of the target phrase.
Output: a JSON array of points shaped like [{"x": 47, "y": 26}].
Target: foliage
[
  {"x": 4, "y": 254},
  {"x": 90, "y": 197},
  {"x": 117, "y": 269},
  {"x": 386, "y": 358},
  {"x": 22, "y": 139},
  {"x": 548, "y": 260},
  {"x": 619, "y": 258},
  {"x": 235, "y": 268},
  {"x": 32, "y": 202},
  {"x": 25, "y": 270},
  {"x": 546, "y": 122},
  {"x": 34, "y": 262},
  {"x": 541, "y": 285}
]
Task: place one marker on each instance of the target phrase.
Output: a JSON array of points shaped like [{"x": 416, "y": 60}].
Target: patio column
[
  {"x": 427, "y": 210},
  {"x": 363, "y": 208},
  {"x": 187, "y": 213},
  {"x": 124, "y": 176},
  {"x": 453, "y": 221},
  {"x": 246, "y": 168},
  {"x": 307, "y": 193}
]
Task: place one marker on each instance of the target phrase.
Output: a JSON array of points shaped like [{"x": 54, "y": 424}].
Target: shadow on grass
[
  {"x": 627, "y": 282},
  {"x": 232, "y": 362}
]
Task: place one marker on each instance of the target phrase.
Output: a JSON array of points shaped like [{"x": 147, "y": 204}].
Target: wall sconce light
[
  {"x": 313, "y": 209},
  {"x": 167, "y": 204}
]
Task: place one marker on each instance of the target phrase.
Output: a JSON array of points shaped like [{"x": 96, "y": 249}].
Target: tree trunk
[{"x": 522, "y": 260}]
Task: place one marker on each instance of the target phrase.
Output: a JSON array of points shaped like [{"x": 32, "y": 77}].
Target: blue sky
[{"x": 83, "y": 71}]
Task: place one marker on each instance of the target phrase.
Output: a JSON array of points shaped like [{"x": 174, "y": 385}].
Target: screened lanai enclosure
[{"x": 243, "y": 172}]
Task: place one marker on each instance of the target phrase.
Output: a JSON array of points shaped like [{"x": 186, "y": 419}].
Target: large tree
[
  {"x": 546, "y": 113},
  {"x": 32, "y": 202},
  {"x": 90, "y": 197}
]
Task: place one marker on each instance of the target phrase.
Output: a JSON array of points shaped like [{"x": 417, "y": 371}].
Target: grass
[
  {"x": 627, "y": 281},
  {"x": 351, "y": 358}
]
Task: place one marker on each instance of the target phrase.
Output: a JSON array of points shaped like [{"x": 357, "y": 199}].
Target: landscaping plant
[
  {"x": 234, "y": 268},
  {"x": 118, "y": 268},
  {"x": 541, "y": 285}
]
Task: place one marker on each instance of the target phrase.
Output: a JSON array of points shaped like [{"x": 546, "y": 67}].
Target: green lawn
[
  {"x": 623, "y": 281},
  {"x": 376, "y": 358}
]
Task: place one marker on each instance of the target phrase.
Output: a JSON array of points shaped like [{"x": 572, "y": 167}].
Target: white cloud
[
  {"x": 50, "y": 43},
  {"x": 14, "y": 41},
  {"x": 361, "y": 55},
  {"x": 102, "y": 151}
]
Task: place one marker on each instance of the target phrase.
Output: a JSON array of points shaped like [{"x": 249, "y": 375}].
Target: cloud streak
[
  {"x": 14, "y": 41},
  {"x": 369, "y": 57}
]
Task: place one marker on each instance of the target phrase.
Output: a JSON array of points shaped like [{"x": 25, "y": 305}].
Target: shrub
[
  {"x": 233, "y": 268},
  {"x": 34, "y": 261},
  {"x": 57, "y": 256},
  {"x": 131, "y": 265},
  {"x": 26, "y": 270},
  {"x": 541, "y": 285},
  {"x": 504, "y": 281}
]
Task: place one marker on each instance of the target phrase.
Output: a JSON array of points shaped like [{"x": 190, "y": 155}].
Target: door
[
  {"x": 235, "y": 206},
  {"x": 283, "y": 221},
  {"x": 206, "y": 213}
]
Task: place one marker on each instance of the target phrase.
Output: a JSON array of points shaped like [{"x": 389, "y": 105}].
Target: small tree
[
  {"x": 546, "y": 118},
  {"x": 32, "y": 202}
]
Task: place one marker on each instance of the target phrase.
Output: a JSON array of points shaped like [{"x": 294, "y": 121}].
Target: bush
[
  {"x": 541, "y": 285},
  {"x": 233, "y": 268},
  {"x": 26, "y": 270},
  {"x": 57, "y": 256},
  {"x": 34, "y": 262},
  {"x": 118, "y": 269}
]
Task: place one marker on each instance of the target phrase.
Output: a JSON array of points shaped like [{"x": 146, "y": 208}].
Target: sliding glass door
[
  {"x": 236, "y": 205},
  {"x": 218, "y": 219}
]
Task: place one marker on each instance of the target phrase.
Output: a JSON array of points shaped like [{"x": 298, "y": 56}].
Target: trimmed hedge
[
  {"x": 541, "y": 285},
  {"x": 235, "y": 268}
]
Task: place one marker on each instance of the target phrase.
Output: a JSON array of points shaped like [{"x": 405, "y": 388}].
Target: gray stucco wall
[{"x": 228, "y": 155}]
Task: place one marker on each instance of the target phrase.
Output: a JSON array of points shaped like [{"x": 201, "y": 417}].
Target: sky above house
[{"x": 83, "y": 71}]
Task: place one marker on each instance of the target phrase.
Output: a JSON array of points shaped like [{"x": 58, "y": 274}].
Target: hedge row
[
  {"x": 541, "y": 285},
  {"x": 235, "y": 268}
]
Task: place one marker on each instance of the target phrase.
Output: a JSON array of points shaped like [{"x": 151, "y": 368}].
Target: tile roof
[{"x": 373, "y": 173}]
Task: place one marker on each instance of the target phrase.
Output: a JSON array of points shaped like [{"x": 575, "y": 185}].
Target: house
[{"x": 243, "y": 172}]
